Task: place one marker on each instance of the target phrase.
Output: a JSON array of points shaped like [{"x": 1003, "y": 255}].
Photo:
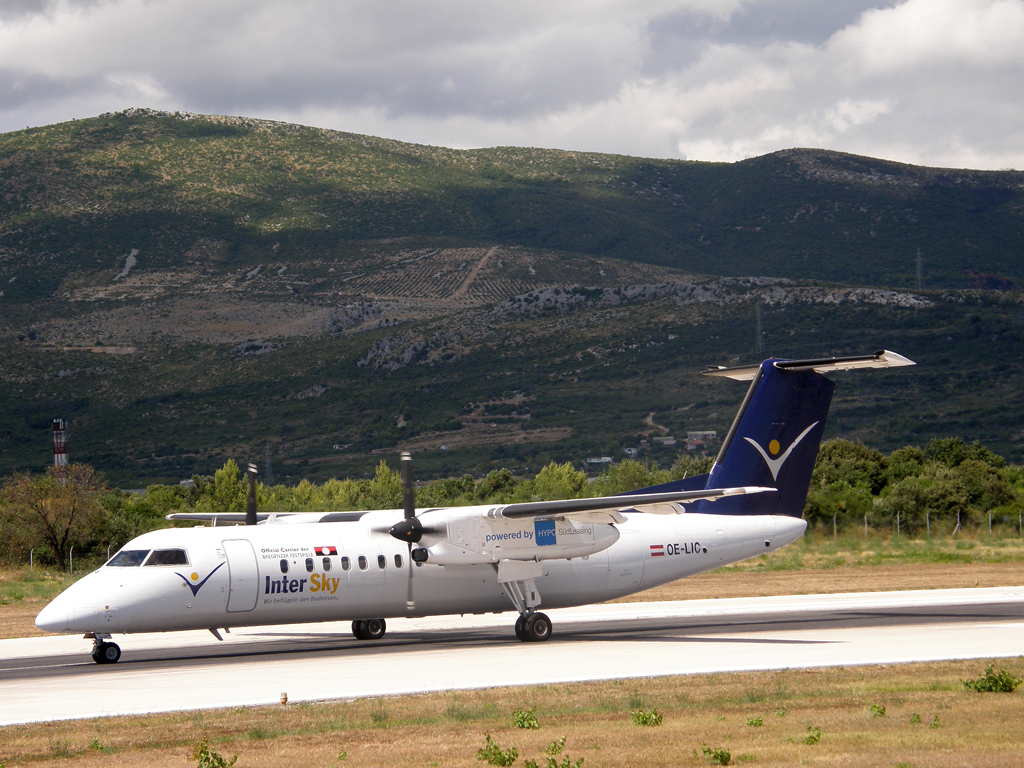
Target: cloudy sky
[{"x": 936, "y": 82}]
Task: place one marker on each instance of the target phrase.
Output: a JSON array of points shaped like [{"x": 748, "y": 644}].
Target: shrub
[
  {"x": 994, "y": 682},
  {"x": 714, "y": 755},
  {"x": 813, "y": 735},
  {"x": 525, "y": 718},
  {"x": 639, "y": 717},
  {"x": 495, "y": 755},
  {"x": 207, "y": 757},
  {"x": 877, "y": 710}
]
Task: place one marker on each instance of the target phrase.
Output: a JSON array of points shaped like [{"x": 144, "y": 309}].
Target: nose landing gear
[{"x": 104, "y": 652}]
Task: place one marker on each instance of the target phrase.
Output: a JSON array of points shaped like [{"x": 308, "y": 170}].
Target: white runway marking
[{"x": 590, "y": 643}]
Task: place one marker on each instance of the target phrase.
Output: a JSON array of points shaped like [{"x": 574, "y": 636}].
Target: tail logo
[{"x": 773, "y": 447}]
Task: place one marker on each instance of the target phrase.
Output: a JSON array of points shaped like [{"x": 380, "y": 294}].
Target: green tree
[
  {"x": 952, "y": 451},
  {"x": 59, "y": 509},
  {"x": 559, "y": 481},
  {"x": 849, "y": 463}
]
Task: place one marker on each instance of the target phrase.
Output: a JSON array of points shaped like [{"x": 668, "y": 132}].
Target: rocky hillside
[{"x": 186, "y": 289}]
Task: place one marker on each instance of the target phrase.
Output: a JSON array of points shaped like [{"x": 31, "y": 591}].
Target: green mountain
[{"x": 186, "y": 288}]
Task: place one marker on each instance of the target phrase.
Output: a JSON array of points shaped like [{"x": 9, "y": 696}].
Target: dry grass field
[{"x": 760, "y": 718}]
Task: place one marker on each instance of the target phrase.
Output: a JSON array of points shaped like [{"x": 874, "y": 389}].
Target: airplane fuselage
[{"x": 223, "y": 577}]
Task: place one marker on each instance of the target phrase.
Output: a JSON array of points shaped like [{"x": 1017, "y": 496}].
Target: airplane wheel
[
  {"x": 520, "y": 628},
  {"x": 370, "y": 629},
  {"x": 374, "y": 629},
  {"x": 106, "y": 653},
  {"x": 537, "y": 627}
]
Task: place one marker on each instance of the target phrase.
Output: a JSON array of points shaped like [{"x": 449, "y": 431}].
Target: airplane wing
[
  {"x": 591, "y": 510},
  {"x": 605, "y": 509},
  {"x": 238, "y": 518}
]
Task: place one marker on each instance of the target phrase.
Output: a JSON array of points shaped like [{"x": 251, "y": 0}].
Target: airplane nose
[{"x": 53, "y": 618}]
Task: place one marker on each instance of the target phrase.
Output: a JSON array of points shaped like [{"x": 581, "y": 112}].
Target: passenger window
[
  {"x": 309, "y": 564},
  {"x": 327, "y": 563},
  {"x": 284, "y": 566},
  {"x": 362, "y": 562},
  {"x": 382, "y": 562},
  {"x": 398, "y": 561},
  {"x": 128, "y": 558},
  {"x": 345, "y": 563},
  {"x": 167, "y": 557}
]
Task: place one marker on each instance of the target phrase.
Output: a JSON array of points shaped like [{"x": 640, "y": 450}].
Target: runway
[{"x": 54, "y": 678}]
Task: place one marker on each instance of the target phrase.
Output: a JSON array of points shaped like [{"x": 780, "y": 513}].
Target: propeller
[{"x": 410, "y": 529}]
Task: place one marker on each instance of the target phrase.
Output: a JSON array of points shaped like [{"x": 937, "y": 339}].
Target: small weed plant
[
  {"x": 935, "y": 722},
  {"x": 756, "y": 722},
  {"x": 650, "y": 719},
  {"x": 994, "y": 682},
  {"x": 554, "y": 749},
  {"x": 207, "y": 757},
  {"x": 877, "y": 710},
  {"x": 95, "y": 744},
  {"x": 813, "y": 735},
  {"x": 714, "y": 755},
  {"x": 915, "y": 719},
  {"x": 493, "y": 754},
  {"x": 525, "y": 718},
  {"x": 379, "y": 714}
]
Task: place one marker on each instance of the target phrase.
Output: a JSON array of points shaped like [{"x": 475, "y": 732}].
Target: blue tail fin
[{"x": 773, "y": 442}]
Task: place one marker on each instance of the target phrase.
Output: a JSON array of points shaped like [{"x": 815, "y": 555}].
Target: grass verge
[{"x": 761, "y": 718}]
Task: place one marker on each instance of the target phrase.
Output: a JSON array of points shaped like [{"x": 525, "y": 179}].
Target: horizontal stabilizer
[{"x": 882, "y": 359}]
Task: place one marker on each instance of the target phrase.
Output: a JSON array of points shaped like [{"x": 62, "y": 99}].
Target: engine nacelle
[{"x": 473, "y": 540}]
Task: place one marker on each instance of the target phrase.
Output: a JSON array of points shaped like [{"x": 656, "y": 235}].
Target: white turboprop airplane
[{"x": 370, "y": 566}]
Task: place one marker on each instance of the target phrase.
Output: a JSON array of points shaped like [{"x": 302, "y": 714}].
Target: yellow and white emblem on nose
[{"x": 773, "y": 447}]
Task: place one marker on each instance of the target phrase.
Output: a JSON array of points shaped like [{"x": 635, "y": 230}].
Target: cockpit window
[
  {"x": 128, "y": 558},
  {"x": 167, "y": 557}
]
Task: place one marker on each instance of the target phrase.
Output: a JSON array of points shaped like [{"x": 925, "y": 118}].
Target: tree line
[{"x": 946, "y": 483}]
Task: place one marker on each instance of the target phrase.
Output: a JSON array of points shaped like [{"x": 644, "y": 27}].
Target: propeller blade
[
  {"x": 410, "y": 601},
  {"x": 410, "y": 528},
  {"x": 408, "y": 493}
]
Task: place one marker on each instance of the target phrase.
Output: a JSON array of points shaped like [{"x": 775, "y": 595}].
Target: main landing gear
[
  {"x": 517, "y": 579},
  {"x": 104, "y": 652},
  {"x": 533, "y": 627},
  {"x": 369, "y": 629}
]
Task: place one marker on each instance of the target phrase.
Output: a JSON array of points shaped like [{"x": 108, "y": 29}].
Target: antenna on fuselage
[{"x": 250, "y": 504}]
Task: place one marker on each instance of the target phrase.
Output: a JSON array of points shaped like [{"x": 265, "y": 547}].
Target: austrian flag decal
[
  {"x": 326, "y": 550},
  {"x": 657, "y": 550}
]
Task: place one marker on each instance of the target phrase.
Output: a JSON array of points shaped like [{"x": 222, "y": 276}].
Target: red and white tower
[{"x": 60, "y": 444}]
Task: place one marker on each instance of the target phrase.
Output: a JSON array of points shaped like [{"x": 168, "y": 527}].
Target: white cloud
[{"x": 931, "y": 81}]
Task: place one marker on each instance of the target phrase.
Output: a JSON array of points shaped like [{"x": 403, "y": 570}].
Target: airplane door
[
  {"x": 243, "y": 575},
  {"x": 625, "y": 562}
]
